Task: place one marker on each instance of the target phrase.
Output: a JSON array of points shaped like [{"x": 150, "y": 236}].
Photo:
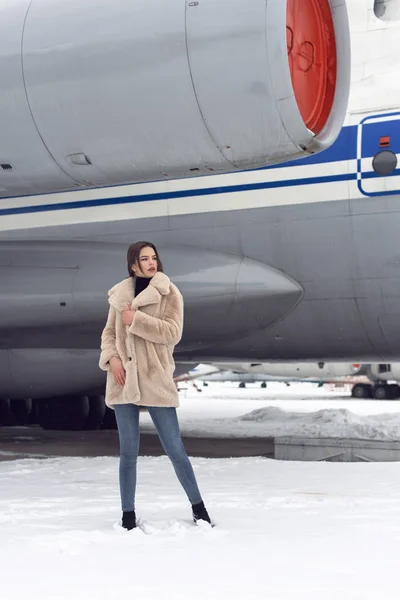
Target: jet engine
[
  {"x": 102, "y": 93},
  {"x": 53, "y": 307}
]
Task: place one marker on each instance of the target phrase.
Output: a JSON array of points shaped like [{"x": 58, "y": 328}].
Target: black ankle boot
[
  {"x": 200, "y": 513},
  {"x": 129, "y": 520}
]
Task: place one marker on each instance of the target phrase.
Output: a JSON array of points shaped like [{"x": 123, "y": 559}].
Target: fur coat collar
[{"x": 123, "y": 293}]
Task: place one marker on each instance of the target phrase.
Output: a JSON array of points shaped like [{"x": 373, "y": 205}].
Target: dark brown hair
[{"x": 133, "y": 255}]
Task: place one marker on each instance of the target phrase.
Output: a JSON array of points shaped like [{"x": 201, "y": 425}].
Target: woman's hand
[
  {"x": 118, "y": 370},
  {"x": 128, "y": 315}
]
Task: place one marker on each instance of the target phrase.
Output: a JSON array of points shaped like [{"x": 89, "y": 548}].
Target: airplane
[
  {"x": 318, "y": 373},
  {"x": 254, "y": 142},
  {"x": 375, "y": 380}
]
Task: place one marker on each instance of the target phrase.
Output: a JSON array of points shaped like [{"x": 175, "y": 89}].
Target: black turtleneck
[{"x": 140, "y": 284}]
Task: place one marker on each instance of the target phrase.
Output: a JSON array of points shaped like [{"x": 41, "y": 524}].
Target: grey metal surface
[
  {"x": 33, "y": 442},
  {"x": 351, "y": 287},
  {"x": 48, "y": 284},
  {"x": 336, "y": 449},
  {"x": 47, "y": 372},
  {"x": 53, "y": 306},
  {"x": 239, "y": 103},
  {"x": 150, "y": 90},
  {"x": 20, "y": 144}
]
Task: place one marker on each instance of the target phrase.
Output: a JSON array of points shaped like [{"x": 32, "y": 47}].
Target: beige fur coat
[{"x": 146, "y": 346}]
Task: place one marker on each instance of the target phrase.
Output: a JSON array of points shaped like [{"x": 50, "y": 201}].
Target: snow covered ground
[
  {"x": 284, "y": 531},
  {"x": 224, "y": 410}
]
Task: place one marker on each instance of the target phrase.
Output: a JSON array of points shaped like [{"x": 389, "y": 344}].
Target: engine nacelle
[
  {"x": 100, "y": 93},
  {"x": 47, "y": 372},
  {"x": 53, "y": 307}
]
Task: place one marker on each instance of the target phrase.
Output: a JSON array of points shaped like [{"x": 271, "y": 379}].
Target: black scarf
[{"x": 140, "y": 284}]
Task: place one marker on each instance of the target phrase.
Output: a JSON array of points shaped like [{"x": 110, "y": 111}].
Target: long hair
[{"x": 133, "y": 255}]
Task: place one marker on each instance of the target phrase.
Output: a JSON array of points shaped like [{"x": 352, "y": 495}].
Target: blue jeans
[{"x": 167, "y": 426}]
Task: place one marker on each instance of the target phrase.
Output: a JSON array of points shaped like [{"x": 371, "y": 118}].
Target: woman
[{"x": 144, "y": 324}]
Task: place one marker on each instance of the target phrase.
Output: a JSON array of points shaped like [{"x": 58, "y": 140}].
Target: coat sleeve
[
  {"x": 108, "y": 349},
  {"x": 167, "y": 330}
]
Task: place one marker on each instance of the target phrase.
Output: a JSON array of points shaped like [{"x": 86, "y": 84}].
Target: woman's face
[{"x": 147, "y": 264}]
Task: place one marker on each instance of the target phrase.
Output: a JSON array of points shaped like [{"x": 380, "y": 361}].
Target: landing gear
[
  {"x": 67, "y": 413},
  {"x": 379, "y": 391},
  {"x": 21, "y": 409},
  {"x": 264, "y": 384},
  {"x": 394, "y": 391},
  {"x": 72, "y": 413},
  {"x": 97, "y": 410},
  {"x": 384, "y": 391},
  {"x": 109, "y": 421},
  {"x": 242, "y": 384},
  {"x": 361, "y": 390},
  {"x": 5, "y": 411},
  {"x": 16, "y": 411}
]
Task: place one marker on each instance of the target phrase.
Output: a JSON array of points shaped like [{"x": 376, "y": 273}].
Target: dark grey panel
[
  {"x": 20, "y": 145},
  {"x": 219, "y": 239},
  {"x": 373, "y": 205},
  {"x": 57, "y": 284},
  {"x": 48, "y": 372},
  {"x": 302, "y": 249},
  {"x": 253, "y": 296},
  {"x": 123, "y": 231},
  {"x": 313, "y": 331},
  {"x": 390, "y": 326},
  {"x": 34, "y": 295},
  {"x": 376, "y": 248},
  {"x": 116, "y": 86}
]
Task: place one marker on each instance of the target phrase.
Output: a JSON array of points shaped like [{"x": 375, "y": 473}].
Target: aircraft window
[
  {"x": 387, "y": 10},
  {"x": 385, "y": 162}
]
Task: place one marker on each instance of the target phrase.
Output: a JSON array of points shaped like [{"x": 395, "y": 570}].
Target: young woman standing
[{"x": 144, "y": 324}]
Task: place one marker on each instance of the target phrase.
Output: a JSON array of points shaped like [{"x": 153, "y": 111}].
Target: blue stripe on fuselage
[
  {"x": 345, "y": 148},
  {"x": 246, "y": 187}
]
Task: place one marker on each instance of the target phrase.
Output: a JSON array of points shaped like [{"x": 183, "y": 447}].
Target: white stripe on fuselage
[
  {"x": 282, "y": 174},
  {"x": 231, "y": 200}
]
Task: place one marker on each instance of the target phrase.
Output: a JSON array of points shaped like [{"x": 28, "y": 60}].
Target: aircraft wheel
[
  {"x": 361, "y": 390},
  {"x": 33, "y": 417},
  {"x": 264, "y": 384},
  {"x": 242, "y": 384},
  {"x": 21, "y": 409},
  {"x": 66, "y": 413},
  {"x": 381, "y": 391},
  {"x": 97, "y": 410},
  {"x": 205, "y": 384},
  {"x": 394, "y": 391}
]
